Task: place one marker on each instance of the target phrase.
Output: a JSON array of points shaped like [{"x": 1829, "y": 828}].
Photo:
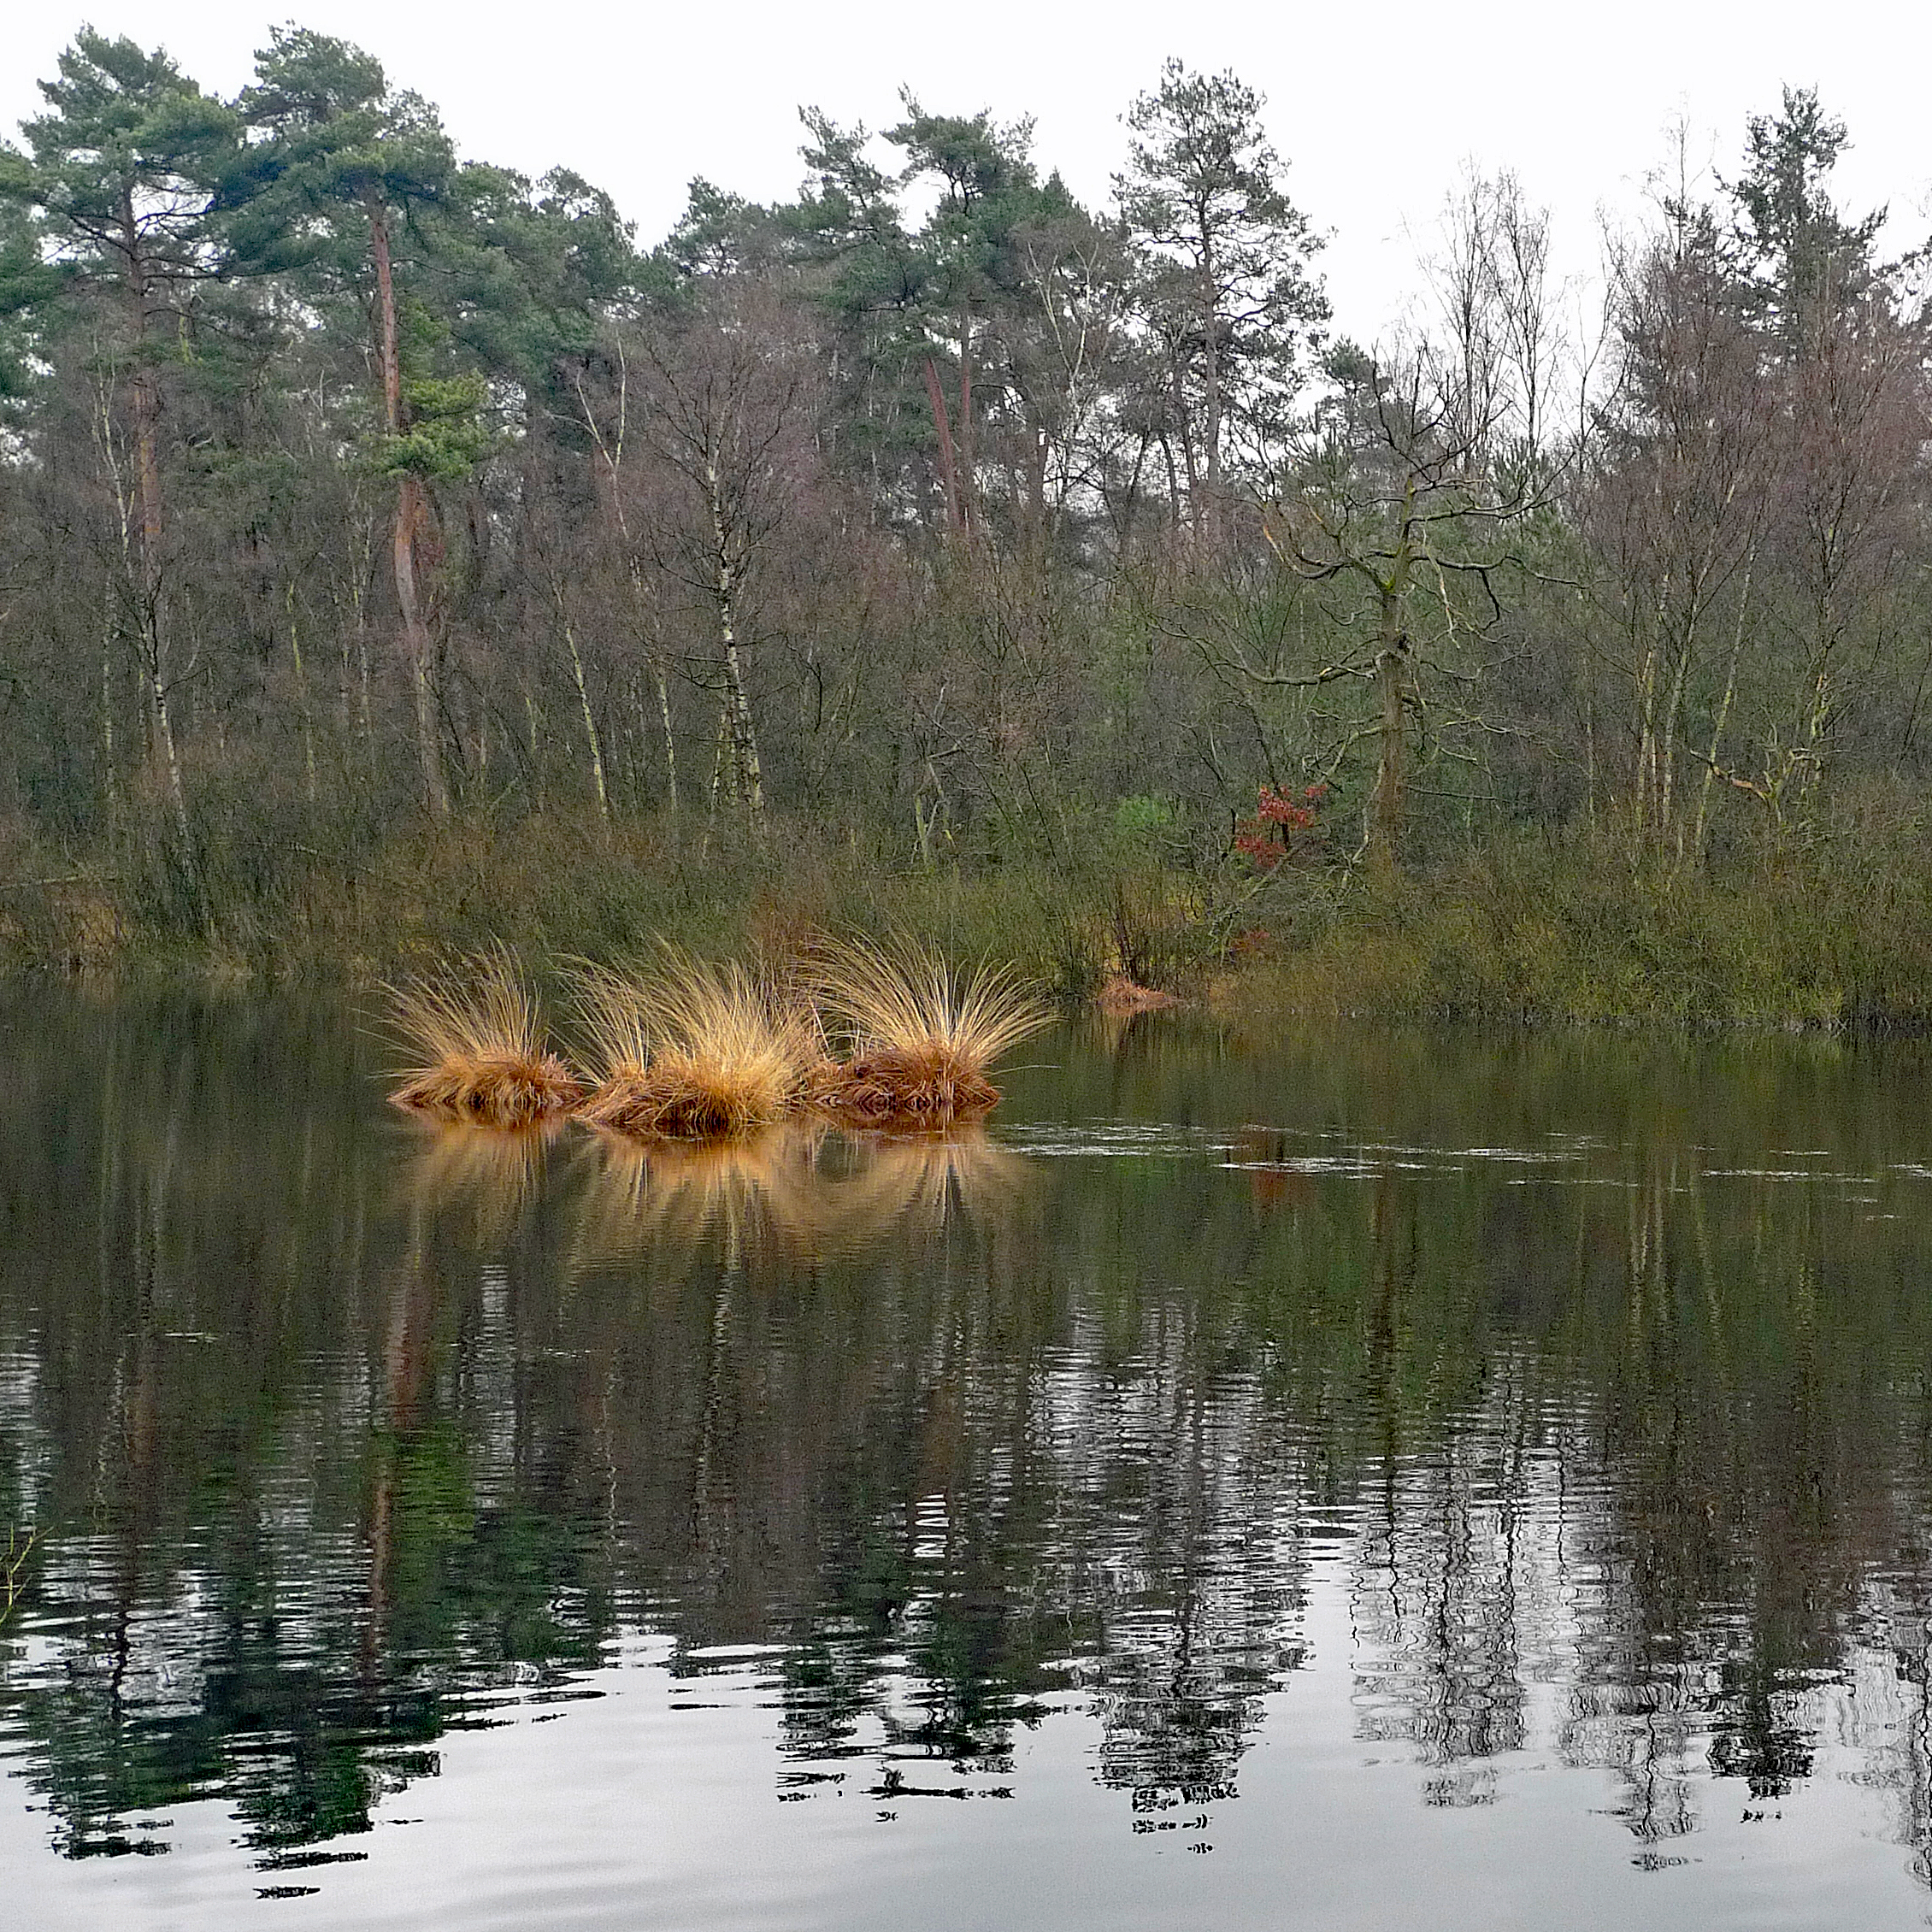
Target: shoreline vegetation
[
  {"x": 400, "y": 557},
  {"x": 1835, "y": 933}
]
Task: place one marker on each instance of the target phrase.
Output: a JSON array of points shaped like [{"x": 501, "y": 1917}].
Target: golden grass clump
[
  {"x": 481, "y": 1053},
  {"x": 922, "y": 1037},
  {"x": 690, "y": 1050}
]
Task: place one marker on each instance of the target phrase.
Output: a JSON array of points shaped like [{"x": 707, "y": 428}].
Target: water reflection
[
  {"x": 493, "y": 1174},
  {"x": 643, "y": 1201},
  {"x": 799, "y": 1190},
  {"x": 1591, "y": 1417}
]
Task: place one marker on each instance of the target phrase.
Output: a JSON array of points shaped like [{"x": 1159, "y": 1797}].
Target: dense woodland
[{"x": 391, "y": 547}]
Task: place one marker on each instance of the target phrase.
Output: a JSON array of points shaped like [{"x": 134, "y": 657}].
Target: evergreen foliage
[{"x": 364, "y": 508}]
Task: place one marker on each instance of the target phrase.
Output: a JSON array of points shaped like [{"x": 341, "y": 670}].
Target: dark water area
[{"x": 1350, "y": 1482}]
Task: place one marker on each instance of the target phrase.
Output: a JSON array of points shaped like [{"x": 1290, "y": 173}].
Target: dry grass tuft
[
  {"x": 922, "y": 1037},
  {"x": 691, "y": 1050},
  {"x": 818, "y": 1072},
  {"x": 479, "y": 1045}
]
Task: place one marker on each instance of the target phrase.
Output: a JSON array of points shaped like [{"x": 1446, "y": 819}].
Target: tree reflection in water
[{"x": 1604, "y": 1411}]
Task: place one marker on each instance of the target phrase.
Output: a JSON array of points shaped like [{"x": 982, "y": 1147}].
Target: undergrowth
[{"x": 1831, "y": 929}]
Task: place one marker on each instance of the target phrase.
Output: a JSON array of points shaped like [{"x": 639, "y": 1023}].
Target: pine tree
[
  {"x": 1230, "y": 286},
  {"x": 342, "y": 164},
  {"x": 125, "y": 174},
  {"x": 1803, "y": 260}
]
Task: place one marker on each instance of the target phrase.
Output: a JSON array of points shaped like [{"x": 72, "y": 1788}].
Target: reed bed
[
  {"x": 479, "y": 1048},
  {"x": 920, "y": 1037},
  {"x": 692, "y": 1051}
]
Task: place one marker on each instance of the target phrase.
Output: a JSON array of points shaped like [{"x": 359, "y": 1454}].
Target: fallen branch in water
[{"x": 18, "y": 1550}]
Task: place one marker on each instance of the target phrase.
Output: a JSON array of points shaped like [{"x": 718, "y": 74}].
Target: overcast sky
[{"x": 1377, "y": 108}]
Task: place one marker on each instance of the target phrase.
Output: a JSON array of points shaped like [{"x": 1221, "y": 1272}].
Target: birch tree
[{"x": 729, "y": 416}]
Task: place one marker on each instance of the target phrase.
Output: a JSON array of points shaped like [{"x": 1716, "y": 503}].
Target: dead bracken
[{"x": 1121, "y": 997}]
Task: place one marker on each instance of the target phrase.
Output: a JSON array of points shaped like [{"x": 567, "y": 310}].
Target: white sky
[{"x": 1377, "y": 108}]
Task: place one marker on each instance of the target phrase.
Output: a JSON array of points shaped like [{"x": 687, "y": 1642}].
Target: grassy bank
[
  {"x": 550, "y": 886},
  {"x": 1827, "y": 932},
  {"x": 1542, "y": 930}
]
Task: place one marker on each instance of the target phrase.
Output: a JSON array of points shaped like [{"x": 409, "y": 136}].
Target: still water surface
[{"x": 1359, "y": 1482}]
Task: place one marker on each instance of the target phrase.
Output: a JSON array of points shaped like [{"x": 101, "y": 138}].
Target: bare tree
[
  {"x": 730, "y": 411},
  {"x": 1076, "y": 274},
  {"x": 1678, "y": 497},
  {"x": 1395, "y": 553},
  {"x": 1859, "y": 426},
  {"x": 1493, "y": 331}
]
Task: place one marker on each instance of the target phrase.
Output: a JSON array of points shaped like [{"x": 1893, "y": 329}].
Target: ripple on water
[{"x": 1041, "y": 1530}]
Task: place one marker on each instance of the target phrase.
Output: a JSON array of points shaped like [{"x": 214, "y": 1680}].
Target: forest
[{"x": 397, "y": 554}]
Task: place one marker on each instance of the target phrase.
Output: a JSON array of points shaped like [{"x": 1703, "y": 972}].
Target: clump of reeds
[
  {"x": 480, "y": 1054},
  {"x": 922, "y": 1037},
  {"x": 690, "y": 1050},
  {"x": 818, "y": 1071}
]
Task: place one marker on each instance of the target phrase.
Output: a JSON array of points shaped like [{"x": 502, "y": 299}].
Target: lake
[{"x": 1353, "y": 1480}]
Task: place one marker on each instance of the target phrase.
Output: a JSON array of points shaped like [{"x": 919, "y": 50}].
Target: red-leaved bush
[{"x": 1264, "y": 840}]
